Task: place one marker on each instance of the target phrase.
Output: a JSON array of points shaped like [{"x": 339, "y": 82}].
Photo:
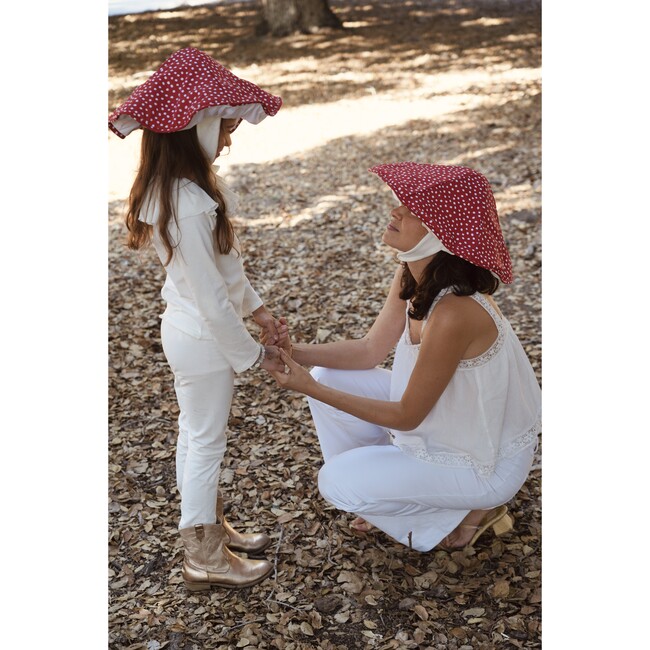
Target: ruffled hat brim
[{"x": 188, "y": 87}]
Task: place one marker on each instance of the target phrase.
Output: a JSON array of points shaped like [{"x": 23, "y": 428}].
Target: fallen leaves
[{"x": 310, "y": 233}]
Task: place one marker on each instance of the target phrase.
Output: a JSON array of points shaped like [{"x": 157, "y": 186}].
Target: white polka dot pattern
[
  {"x": 458, "y": 205},
  {"x": 187, "y": 82}
]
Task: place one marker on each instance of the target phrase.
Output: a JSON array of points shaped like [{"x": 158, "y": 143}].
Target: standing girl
[{"x": 188, "y": 110}]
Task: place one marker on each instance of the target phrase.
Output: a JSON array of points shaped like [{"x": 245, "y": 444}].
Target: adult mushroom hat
[
  {"x": 187, "y": 88},
  {"x": 457, "y": 205}
]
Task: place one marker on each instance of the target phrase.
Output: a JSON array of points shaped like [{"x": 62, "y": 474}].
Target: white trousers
[
  {"x": 203, "y": 381},
  {"x": 415, "y": 502}
]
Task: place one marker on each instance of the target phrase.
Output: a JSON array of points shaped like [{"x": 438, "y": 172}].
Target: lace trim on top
[
  {"x": 449, "y": 459},
  {"x": 481, "y": 359}
]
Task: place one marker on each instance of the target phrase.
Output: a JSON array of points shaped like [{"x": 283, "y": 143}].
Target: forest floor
[{"x": 453, "y": 82}]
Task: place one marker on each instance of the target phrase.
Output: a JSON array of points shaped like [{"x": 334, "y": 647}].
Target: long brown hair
[
  {"x": 165, "y": 158},
  {"x": 443, "y": 271}
]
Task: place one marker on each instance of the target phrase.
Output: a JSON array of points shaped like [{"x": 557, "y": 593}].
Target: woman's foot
[
  {"x": 462, "y": 535},
  {"x": 361, "y": 525}
]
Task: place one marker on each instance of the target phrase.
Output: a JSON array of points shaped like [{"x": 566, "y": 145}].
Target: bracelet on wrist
[{"x": 260, "y": 358}]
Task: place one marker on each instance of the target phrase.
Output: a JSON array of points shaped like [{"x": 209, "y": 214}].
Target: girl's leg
[
  {"x": 337, "y": 431},
  {"x": 205, "y": 400},
  {"x": 203, "y": 382},
  {"x": 181, "y": 442}
]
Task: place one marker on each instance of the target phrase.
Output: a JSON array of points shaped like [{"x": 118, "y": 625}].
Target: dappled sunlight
[
  {"x": 485, "y": 22},
  {"x": 454, "y": 82},
  {"x": 380, "y": 40},
  {"x": 291, "y": 132}
]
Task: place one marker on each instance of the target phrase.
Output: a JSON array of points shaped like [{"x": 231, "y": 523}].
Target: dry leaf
[
  {"x": 351, "y": 582},
  {"x": 474, "y": 611},
  {"x": 310, "y": 225},
  {"x": 500, "y": 589},
  {"x": 305, "y": 628},
  {"x": 411, "y": 570}
]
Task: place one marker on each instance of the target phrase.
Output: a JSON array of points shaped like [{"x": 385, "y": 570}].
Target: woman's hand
[{"x": 294, "y": 376}]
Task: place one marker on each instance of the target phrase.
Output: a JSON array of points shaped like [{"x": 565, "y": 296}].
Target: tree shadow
[{"x": 385, "y": 45}]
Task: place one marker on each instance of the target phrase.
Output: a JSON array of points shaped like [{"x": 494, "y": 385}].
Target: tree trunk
[{"x": 284, "y": 17}]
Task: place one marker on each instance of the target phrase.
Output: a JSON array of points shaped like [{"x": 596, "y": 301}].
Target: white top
[
  {"x": 207, "y": 293},
  {"x": 491, "y": 408}
]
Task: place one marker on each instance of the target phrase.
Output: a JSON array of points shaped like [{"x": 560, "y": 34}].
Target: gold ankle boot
[
  {"x": 208, "y": 562},
  {"x": 249, "y": 543}
]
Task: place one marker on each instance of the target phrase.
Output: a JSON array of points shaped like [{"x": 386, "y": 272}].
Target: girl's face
[
  {"x": 404, "y": 231},
  {"x": 228, "y": 127}
]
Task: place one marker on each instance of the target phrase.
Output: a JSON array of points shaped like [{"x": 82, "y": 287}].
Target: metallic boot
[
  {"x": 208, "y": 562},
  {"x": 249, "y": 543}
]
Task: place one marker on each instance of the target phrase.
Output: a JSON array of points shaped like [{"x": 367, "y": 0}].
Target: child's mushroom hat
[
  {"x": 188, "y": 88},
  {"x": 457, "y": 205}
]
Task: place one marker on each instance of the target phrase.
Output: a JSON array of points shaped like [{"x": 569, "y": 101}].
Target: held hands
[
  {"x": 294, "y": 377},
  {"x": 284, "y": 339},
  {"x": 274, "y": 331}
]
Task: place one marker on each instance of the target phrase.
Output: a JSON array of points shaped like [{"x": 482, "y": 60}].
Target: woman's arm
[
  {"x": 367, "y": 352},
  {"x": 444, "y": 341}
]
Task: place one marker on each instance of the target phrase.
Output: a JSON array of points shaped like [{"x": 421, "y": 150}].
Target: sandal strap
[{"x": 484, "y": 522}]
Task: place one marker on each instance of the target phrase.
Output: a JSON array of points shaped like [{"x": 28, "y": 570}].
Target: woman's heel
[
  {"x": 197, "y": 586},
  {"x": 503, "y": 525}
]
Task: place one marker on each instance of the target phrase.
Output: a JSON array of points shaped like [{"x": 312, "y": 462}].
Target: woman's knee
[
  {"x": 356, "y": 382},
  {"x": 328, "y": 487},
  {"x": 325, "y": 376},
  {"x": 335, "y": 487}
]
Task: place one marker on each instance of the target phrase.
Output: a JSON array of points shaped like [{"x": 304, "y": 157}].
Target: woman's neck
[{"x": 417, "y": 268}]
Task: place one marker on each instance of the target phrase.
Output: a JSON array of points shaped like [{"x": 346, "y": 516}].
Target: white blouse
[
  {"x": 491, "y": 408},
  {"x": 207, "y": 293}
]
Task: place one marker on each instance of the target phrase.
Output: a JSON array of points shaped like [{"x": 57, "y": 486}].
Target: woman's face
[
  {"x": 404, "y": 230},
  {"x": 227, "y": 129}
]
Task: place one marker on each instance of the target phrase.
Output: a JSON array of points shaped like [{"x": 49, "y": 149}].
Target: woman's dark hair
[
  {"x": 164, "y": 158},
  {"x": 443, "y": 271}
]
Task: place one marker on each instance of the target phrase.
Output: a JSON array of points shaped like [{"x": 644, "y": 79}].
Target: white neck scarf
[{"x": 427, "y": 246}]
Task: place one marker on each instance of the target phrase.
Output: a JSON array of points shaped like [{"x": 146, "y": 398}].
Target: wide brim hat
[
  {"x": 456, "y": 203},
  {"x": 189, "y": 87}
]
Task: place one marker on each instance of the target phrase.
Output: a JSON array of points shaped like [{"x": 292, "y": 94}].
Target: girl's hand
[
  {"x": 283, "y": 341},
  {"x": 294, "y": 377},
  {"x": 268, "y": 324}
]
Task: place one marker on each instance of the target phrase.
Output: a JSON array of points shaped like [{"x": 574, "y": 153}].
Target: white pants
[
  {"x": 203, "y": 381},
  {"x": 413, "y": 501}
]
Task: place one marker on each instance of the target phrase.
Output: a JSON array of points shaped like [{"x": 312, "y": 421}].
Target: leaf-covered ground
[{"x": 310, "y": 225}]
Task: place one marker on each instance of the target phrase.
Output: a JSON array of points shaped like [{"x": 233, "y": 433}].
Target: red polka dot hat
[
  {"x": 187, "y": 88},
  {"x": 457, "y": 204}
]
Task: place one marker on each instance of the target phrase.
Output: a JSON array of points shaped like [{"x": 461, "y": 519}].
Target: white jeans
[
  {"x": 411, "y": 500},
  {"x": 203, "y": 381}
]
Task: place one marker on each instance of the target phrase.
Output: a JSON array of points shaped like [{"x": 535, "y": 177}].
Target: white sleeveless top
[{"x": 491, "y": 408}]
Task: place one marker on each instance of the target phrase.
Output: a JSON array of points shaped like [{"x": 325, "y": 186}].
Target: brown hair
[
  {"x": 443, "y": 271},
  {"x": 164, "y": 158}
]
